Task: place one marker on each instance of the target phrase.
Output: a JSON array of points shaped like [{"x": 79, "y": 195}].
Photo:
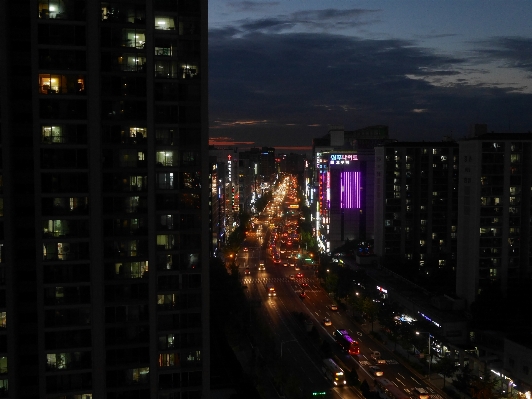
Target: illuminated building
[
  {"x": 344, "y": 165},
  {"x": 104, "y": 245}
]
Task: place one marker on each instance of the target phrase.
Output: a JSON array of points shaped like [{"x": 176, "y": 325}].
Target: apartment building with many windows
[
  {"x": 104, "y": 201},
  {"x": 416, "y": 194},
  {"x": 494, "y": 209}
]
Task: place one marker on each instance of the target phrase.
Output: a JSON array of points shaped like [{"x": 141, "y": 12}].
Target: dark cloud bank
[{"x": 293, "y": 80}]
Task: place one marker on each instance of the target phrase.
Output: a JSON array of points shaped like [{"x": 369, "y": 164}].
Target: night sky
[{"x": 281, "y": 72}]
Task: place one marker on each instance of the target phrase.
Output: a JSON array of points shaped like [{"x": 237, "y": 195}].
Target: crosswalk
[{"x": 266, "y": 280}]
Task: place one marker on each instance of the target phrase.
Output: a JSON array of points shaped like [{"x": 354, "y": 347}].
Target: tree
[
  {"x": 331, "y": 282},
  {"x": 463, "y": 379},
  {"x": 352, "y": 378},
  {"x": 446, "y": 367},
  {"x": 370, "y": 309},
  {"x": 326, "y": 349},
  {"x": 483, "y": 388}
]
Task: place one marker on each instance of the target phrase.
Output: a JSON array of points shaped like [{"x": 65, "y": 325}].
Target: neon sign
[
  {"x": 350, "y": 190},
  {"x": 342, "y": 159}
]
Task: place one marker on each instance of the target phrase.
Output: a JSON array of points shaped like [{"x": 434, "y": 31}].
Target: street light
[{"x": 426, "y": 332}]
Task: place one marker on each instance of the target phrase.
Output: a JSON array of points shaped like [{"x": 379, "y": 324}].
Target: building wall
[
  {"x": 105, "y": 169},
  {"x": 494, "y": 210},
  {"x": 416, "y": 204}
]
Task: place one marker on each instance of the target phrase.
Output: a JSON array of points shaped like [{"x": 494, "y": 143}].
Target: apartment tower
[
  {"x": 103, "y": 199},
  {"x": 416, "y": 199},
  {"x": 494, "y": 210}
]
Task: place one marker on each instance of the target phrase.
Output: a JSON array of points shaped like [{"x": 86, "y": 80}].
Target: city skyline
[{"x": 281, "y": 72}]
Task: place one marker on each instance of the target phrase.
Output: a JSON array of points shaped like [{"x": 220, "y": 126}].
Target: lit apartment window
[
  {"x": 493, "y": 272},
  {"x": 435, "y": 151},
  {"x": 434, "y": 236},
  {"x": 423, "y": 222},
  {"x": 131, "y": 269},
  {"x": 422, "y": 243},
  {"x": 165, "y": 23},
  {"x": 51, "y": 134},
  {"x": 168, "y": 359},
  {"x": 441, "y": 262},
  {"x": 165, "y": 241},
  {"x": 166, "y": 158}
]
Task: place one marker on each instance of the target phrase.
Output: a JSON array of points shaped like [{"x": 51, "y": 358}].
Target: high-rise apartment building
[
  {"x": 494, "y": 211},
  {"x": 104, "y": 199},
  {"x": 416, "y": 199}
]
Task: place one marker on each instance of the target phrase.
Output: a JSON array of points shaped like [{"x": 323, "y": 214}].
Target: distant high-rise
[{"x": 104, "y": 199}]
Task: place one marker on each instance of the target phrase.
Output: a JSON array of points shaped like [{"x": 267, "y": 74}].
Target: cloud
[
  {"x": 292, "y": 85},
  {"x": 515, "y": 52},
  {"x": 309, "y": 21},
  {"x": 248, "y": 6}
]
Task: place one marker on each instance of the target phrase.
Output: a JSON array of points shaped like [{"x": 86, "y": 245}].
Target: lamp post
[{"x": 430, "y": 360}]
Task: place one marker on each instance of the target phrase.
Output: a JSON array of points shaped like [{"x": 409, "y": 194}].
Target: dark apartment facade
[
  {"x": 494, "y": 208},
  {"x": 416, "y": 207},
  {"x": 104, "y": 201}
]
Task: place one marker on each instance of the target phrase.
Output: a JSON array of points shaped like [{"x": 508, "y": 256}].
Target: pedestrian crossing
[{"x": 266, "y": 280}]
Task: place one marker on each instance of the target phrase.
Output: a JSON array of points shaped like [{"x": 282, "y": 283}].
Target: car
[
  {"x": 376, "y": 371},
  {"x": 302, "y": 294},
  {"x": 285, "y": 264},
  {"x": 327, "y": 322},
  {"x": 304, "y": 285},
  {"x": 333, "y": 307},
  {"x": 246, "y": 271},
  {"x": 291, "y": 277},
  {"x": 292, "y": 264},
  {"x": 297, "y": 267},
  {"x": 420, "y": 393},
  {"x": 299, "y": 275},
  {"x": 376, "y": 355},
  {"x": 245, "y": 249}
]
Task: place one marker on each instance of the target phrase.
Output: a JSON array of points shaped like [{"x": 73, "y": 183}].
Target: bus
[
  {"x": 271, "y": 289},
  {"x": 388, "y": 390},
  {"x": 346, "y": 342},
  {"x": 333, "y": 372}
]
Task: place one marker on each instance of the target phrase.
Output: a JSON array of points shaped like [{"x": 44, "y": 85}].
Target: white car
[{"x": 376, "y": 371}]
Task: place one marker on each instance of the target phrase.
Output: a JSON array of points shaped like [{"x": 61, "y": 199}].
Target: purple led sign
[{"x": 350, "y": 190}]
